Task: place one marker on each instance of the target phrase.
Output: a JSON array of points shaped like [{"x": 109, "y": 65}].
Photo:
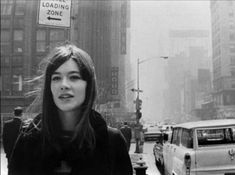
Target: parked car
[
  {"x": 165, "y": 128},
  {"x": 152, "y": 134},
  {"x": 201, "y": 148}
]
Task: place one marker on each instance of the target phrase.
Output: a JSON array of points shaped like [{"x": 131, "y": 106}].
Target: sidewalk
[
  {"x": 3, "y": 162},
  {"x": 146, "y": 157}
]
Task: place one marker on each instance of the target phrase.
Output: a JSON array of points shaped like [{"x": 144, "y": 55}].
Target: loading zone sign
[{"x": 54, "y": 13}]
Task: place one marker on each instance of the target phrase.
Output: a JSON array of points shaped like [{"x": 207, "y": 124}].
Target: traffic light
[{"x": 138, "y": 104}]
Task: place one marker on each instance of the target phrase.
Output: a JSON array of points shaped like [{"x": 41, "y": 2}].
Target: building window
[
  {"x": 17, "y": 60},
  {"x": 56, "y": 37},
  {"x": 227, "y": 99},
  {"x": 40, "y": 58},
  {"x": 230, "y": 14},
  {"x": 5, "y": 61},
  {"x": 20, "y": 7},
  {"x": 5, "y": 42},
  {"x": 232, "y": 60},
  {"x": 17, "y": 81},
  {"x": 18, "y": 41},
  {"x": 6, "y": 8},
  {"x": 231, "y": 26},
  {"x": 5, "y": 23},
  {"x": 19, "y": 22},
  {"x": 233, "y": 73},
  {"x": 232, "y": 48},
  {"x": 232, "y": 36},
  {"x": 18, "y": 35},
  {"x": 6, "y": 83},
  {"x": 41, "y": 41}
]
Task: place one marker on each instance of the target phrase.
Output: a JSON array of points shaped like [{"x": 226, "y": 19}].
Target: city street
[
  {"x": 165, "y": 69},
  {"x": 147, "y": 157}
]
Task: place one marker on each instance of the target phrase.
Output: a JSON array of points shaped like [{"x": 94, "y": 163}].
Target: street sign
[{"x": 54, "y": 13}]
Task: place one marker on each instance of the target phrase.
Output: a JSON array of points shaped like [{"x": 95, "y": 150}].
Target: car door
[
  {"x": 171, "y": 148},
  {"x": 177, "y": 153}
]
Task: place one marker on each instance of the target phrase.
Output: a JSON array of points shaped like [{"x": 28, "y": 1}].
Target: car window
[
  {"x": 214, "y": 136},
  {"x": 176, "y": 136},
  {"x": 187, "y": 138}
]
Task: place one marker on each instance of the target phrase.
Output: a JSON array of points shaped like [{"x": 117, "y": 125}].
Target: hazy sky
[{"x": 150, "y": 23}]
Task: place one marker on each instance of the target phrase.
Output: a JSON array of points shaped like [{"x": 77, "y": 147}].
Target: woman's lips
[{"x": 65, "y": 96}]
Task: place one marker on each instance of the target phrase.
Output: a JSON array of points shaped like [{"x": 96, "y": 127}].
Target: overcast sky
[{"x": 150, "y": 23}]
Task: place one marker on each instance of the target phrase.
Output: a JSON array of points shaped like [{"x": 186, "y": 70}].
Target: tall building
[
  {"x": 189, "y": 51},
  {"x": 98, "y": 27},
  {"x": 223, "y": 45},
  {"x": 182, "y": 40}
]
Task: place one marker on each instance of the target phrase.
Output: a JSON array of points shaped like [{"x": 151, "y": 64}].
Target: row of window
[
  {"x": 42, "y": 43},
  {"x": 12, "y": 64},
  {"x": 7, "y": 7},
  {"x": 55, "y": 36},
  {"x": 18, "y": 22}
]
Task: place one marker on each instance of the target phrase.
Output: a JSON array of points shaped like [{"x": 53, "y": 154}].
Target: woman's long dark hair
[{"x": 84, "y": 133}]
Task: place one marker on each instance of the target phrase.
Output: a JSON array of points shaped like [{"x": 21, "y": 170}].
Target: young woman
[{"x": 69, "y": 137}]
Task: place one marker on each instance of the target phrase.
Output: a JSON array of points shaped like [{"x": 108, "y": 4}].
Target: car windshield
[{"x": 215, "y": 136}]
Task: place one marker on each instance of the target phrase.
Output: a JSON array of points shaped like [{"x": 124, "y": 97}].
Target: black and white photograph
[{"x": 117, "y": 87}]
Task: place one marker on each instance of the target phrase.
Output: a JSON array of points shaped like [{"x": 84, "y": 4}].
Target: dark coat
[
  {"x": 10, "y": 133},
  {"x": 126, "y": 131},
  {"x": 110, "y": 156}
]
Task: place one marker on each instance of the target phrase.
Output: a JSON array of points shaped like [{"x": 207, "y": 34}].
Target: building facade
[
  {"x": 190, "y": 52},
  {"x": 98, "y": 27},
  {"x": 223, "y": 45}
]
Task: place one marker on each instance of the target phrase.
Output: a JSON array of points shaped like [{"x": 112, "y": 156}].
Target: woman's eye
[
  {"x": 55, "y": 78},
  {"x": 75, "y": 77}
]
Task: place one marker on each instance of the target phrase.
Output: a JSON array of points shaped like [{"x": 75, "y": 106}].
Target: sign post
[{"x": 54, "y": 13}]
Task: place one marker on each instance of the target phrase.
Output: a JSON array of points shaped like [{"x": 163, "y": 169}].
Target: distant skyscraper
[
  {"x": 223, "y": 44},
  {"x": 182, "y": 40},
  {"x": 189, "y": 51}
]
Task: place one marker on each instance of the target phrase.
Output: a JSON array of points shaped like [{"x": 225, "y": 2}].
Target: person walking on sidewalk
[
  {"x": 11, "y": 131},
  {"x": 126, "y": 131},
  {"x": 69, "y": 137}
]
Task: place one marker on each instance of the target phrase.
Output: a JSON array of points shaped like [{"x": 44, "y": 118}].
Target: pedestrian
[
  {"x": 126, "y": 131},
  {"x": 69, "y": 137},
  {"x": 11, "y": 130}
]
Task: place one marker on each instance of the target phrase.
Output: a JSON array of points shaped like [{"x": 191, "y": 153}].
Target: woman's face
[{"x": 67, "y": 87}]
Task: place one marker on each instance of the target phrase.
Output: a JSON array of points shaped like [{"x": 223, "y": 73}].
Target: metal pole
[
  {"x": 138, "y": 81},
  {"x": 137, "y": 148}
]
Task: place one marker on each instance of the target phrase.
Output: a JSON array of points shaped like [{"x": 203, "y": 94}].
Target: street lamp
[{"x": 139, "y": 103}]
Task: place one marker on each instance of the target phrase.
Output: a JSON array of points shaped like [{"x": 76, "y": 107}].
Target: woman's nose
[{"x": 65, "y": 84}]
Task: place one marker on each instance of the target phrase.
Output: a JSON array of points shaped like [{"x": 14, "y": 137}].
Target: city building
[
  {"x": 223, "y": 46},
  {"x": 99, "y": 27},
  {"x": 189, "y": 52}
]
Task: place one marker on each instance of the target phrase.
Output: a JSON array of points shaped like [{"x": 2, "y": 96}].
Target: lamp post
[{"x": 138, "y": 128}]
